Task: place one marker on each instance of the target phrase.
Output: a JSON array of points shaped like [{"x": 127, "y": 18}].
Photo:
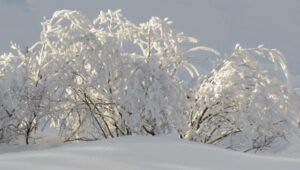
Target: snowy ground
[{"x": 164, "y": 152}]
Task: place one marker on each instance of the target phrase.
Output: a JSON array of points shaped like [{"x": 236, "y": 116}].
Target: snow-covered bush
[
  {"x": 100, "y": 79},
  {"x": 86, "y": 62},
  {"x": 240, "y": 105},
  {"x": 23, "y": 93},
  {"x": 110, "y": 77},
  {"x": 154, "y": 99}
]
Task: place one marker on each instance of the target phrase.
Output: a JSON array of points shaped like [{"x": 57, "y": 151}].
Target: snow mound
[{"x": 136, "y": 152}]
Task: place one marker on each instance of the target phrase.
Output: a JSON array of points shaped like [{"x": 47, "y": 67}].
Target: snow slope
[{"x": 136, "y": 152}]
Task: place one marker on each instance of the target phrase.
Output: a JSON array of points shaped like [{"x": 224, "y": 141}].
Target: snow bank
[{"x": 136, "y": 152}]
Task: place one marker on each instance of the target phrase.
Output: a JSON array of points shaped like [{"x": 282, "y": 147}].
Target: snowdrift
[{"x": 136, "y": 152}]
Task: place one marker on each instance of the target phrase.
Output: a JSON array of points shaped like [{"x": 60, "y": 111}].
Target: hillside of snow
[{"x": 148, "y": 153}]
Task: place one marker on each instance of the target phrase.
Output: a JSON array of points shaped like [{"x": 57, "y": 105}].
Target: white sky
[{"x": 217, "y": 23}]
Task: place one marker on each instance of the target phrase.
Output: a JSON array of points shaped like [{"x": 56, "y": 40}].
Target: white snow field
[{"x": 136, "y": 152}]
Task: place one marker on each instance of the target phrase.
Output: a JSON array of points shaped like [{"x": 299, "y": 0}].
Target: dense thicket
[{"x": 111, "y": 77}]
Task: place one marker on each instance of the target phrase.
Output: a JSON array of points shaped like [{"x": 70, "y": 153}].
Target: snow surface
[{"x": 137, "y": 152}]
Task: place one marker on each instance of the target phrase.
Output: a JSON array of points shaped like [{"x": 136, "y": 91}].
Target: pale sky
[{"x": 217, "y": 23}]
